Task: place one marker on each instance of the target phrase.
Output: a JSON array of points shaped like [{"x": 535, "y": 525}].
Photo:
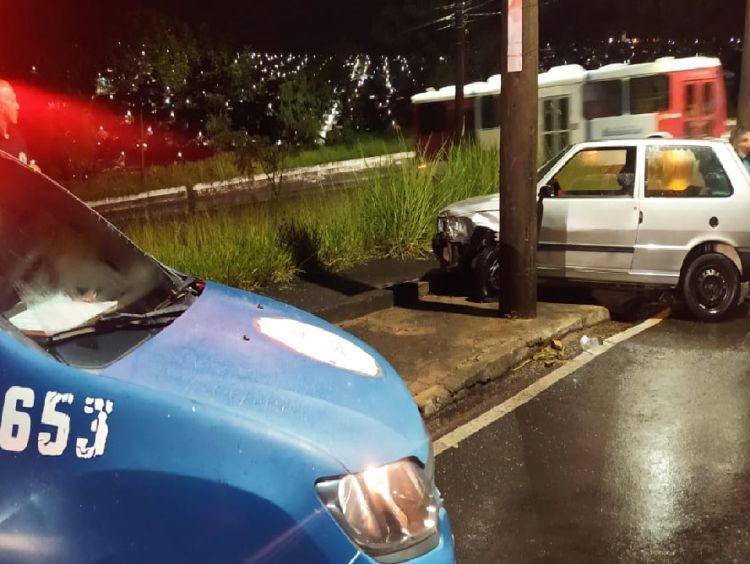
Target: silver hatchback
[{"x": 660, "y": 213}]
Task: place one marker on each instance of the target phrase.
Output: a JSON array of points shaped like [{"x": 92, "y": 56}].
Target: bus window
[
  {"x": 708, "y": 98},
  {"x": 602, "y": 99},
  {"x": 555, "y": 123},
  {"x": 691, "y": 103},
  {"x": 649, "y": 94},
  {"x": 431, "y": 117},
  {"x": 549, "y": 116},
  {"x": 490, "y": 112}
]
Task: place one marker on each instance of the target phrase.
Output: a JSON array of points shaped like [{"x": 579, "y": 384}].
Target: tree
[
  {"x": 303, "y": 102},
  {"x": 252, "y": 151},
  {"x": 164, "y": 50},
  {"x": 272, "y": 159}
]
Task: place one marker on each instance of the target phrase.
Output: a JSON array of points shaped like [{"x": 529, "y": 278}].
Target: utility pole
[
  {"x": 743, "y": 103},
  {"x": 458, "y": 126},
  {"x": 518, "y": 159}
]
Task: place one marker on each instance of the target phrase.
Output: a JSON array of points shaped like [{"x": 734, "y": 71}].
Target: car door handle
[{"x": 640, "y": 217}]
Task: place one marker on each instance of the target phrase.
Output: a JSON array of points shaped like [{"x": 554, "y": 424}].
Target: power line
[
  {"x": 435, "y": 22},
  {"x": 468, "y": 8}
]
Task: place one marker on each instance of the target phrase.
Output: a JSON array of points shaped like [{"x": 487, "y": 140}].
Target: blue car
[{"x": 149, "y": 416}]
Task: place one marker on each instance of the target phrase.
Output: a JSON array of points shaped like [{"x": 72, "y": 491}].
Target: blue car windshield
[{"x": 62, "y": 265}]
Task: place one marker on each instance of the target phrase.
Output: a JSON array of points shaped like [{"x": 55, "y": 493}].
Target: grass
[
  {"x": 399, "y": 209},
  {"x": 392, "y": 215},
  {"x": 242, "y": 250},
  {"x": 362, "y": 146},
  {"x": 221, "y": 166}
]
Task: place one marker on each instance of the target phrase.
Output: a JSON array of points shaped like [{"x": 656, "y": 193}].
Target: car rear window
[{"x": 674, "y": 171}]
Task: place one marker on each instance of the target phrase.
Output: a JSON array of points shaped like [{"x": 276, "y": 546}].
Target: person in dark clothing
[{"x": 11, "y": 140}]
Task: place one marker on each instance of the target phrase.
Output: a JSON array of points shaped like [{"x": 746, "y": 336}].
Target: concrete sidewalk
[{"x": 442, "y": 346}]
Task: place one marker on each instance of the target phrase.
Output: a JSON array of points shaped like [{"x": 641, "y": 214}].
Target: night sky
[
  {"x": 283, "y": 24},
  {"x": 49, "y": 32}
]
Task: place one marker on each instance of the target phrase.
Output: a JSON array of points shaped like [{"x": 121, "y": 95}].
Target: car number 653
[{"x": 16, "y": 424}]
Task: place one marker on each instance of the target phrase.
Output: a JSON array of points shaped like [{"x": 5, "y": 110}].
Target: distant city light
[{"x": 365, "y": 91}]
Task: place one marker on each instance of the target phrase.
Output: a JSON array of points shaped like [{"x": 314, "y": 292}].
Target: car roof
[{"x": 712, "y": 141}]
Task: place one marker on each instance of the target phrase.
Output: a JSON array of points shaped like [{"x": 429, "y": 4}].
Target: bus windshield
[{"x": 61, "y": 265}]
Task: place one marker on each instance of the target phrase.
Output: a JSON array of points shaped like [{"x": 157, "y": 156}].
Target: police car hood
[{"x": 284, "y": 369}]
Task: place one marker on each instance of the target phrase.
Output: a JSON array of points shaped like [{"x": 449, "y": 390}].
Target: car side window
[
  {"x": 597, "y": 172},
  {"x": 674, "y": 171}
]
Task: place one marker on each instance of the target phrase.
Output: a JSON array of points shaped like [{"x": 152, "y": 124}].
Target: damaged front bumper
[{"x": 451, "y": 254}]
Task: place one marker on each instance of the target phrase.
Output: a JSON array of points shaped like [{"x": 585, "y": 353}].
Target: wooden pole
[
  {"x": 458, "y": 126},
  {"x": 518, "y": 159}
]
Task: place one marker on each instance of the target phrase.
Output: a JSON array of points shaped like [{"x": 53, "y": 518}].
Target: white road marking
[{"x": 455, "y": 437}]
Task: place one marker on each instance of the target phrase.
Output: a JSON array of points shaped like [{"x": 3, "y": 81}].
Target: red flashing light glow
[{"x": 60, "y": 129}]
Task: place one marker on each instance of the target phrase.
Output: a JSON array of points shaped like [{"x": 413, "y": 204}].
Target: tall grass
[
  {"x": 401, "y": 206},
  {"x": 241, "y": 250},
  {"x": 391, "y": 215}
]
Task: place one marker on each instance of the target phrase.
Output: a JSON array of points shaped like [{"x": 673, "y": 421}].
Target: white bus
[{"x": 682, "y": 97}]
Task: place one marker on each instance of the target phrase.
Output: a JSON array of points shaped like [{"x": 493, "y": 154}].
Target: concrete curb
[
  {"x": 359, "y": 305},
  {"x": 487, "y": 367},
  {"x": 356, "y": 306}
]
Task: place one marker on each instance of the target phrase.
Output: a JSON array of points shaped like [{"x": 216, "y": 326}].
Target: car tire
[
  {"x": 485, "y": 270},
  {"x": 711, "y": 287}
]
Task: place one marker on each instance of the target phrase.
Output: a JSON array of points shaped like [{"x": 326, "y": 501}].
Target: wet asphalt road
[{"x": 642, "y": 455}]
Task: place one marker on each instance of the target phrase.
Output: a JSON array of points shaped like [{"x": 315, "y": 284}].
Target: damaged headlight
[
  {"x": 390, "y": 512},
  {"x": 457, "y": 229}
]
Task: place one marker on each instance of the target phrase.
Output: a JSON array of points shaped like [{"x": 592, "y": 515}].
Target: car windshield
[
  {"x": 61, "y": 265},
  {"x": 546, "y": 167}
]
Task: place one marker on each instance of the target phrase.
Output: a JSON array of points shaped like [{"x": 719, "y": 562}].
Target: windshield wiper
[
  {"x": 190, "y": 285},
  {"x": 115, "y": 321}
]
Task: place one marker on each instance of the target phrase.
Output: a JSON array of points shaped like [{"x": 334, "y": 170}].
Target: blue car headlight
[{"x": 390, "y": 512}]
